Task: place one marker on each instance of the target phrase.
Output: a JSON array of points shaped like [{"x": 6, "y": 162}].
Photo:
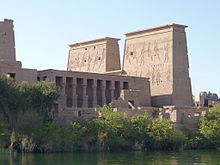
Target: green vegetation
[
  {"x": 24, "y": 107},
  {"x": 210, "y": 127},
  {"x": 26, "y": 125}
]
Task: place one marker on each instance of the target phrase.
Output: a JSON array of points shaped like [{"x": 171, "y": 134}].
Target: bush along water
[{"x": 26, "y": 126}]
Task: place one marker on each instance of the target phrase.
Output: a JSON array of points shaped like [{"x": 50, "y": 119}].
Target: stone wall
[
  {"x": 8, "y": 64},
  {"x": 160, "y": 54},
  {"x": 183, "y": 115},
  {"x": 89, "y": 90},
  {"x": 97, "y": 56}
]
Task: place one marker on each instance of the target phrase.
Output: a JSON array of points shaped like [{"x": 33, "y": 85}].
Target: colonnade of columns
[{"x": 88, "y": 93}]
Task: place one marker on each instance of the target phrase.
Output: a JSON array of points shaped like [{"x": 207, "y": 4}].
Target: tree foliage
[
  {"x": 210, "y": 126},
  {"x": 19, "y": 98},
  {"x": 24, "y": 106}
]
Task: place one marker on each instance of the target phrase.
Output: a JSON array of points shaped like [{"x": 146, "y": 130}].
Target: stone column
[
  {"x": 103, "y": 92},
  {"x": 51, "y": 78},
  {"x": 112, "y": 88},
  {"x": 85, "y": 97},
  {"x": 121, "y": 87},
  {"x": 62, "y": 98},
  {"x": 94, "y": 87},
  {"x": 74, "y": 93},
  {"x": 63, "y": 90}
]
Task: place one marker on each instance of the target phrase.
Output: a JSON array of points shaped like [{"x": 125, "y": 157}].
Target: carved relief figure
[
  {"x": 95, "y": 60},
  {"x": 166, "y": 51},
  {"x": 156, "y": 50},
  {"x": 153, "y": 75},
  {"x": 102, "y": 59},
  {"x": 89, "y": 62},
  {"x": 149, "y": 50},
  {"x": 76, "y": 61},
  {"x": 134, "y": 55},
  {"x": 158, "y": 77},
  {"x": 142, "y": 54},
  {"x": 81, "y": 64},
  {"x": 127, "y": 55},
  {"x": 130, "y": 54}
]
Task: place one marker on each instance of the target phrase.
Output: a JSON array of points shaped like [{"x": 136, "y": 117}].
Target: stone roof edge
[
  {"x": 7, "y": 20},
  {"x": 93, "y": 41},
  {"x": 154, "y": 28},
  {"x": 66, "y": 71}
]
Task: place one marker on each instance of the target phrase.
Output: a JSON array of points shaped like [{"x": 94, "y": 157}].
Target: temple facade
[
  {"x": 160, "y": 54},
  {"x": 154, "y": 77},
  {"x": 91, "y": 90}
]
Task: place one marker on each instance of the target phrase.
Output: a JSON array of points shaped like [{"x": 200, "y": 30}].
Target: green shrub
[
  {"x": 210, "y": 127},
  {"x": 162, "y": 136}
]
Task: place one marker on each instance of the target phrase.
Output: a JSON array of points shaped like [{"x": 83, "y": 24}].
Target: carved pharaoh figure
[
  {"x": 167, "y": 62},
  {"x": 156, "y": 51},
  {"x": 166, "y": 52},
  {"x": 158, "y": 77},
  {"x": 142, "y": 54}
]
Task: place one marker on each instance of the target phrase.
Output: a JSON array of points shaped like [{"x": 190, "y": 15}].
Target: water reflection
[{"x": 124, "y": 158}]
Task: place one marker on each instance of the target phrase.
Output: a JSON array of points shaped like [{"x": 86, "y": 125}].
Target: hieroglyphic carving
[
  {"x": 102, "y": 58},
  {"x": 142, "y": 54},
  {"x": 153, "y": 77},
  {"x": 151, "y": 59},
  {"x": 156, "y": 55},
  {"x": 161, "y": 56},
  {"x": 166, "y": 51},
  {"x": 158, "y": 77},
  {"x": 90, "y": 59}
]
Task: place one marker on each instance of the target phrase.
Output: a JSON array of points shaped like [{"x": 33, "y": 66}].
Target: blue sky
[{"x": 44, "y": 28}]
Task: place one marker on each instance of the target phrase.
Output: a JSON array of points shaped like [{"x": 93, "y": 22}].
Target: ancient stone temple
[
  {"x": 160, "y": 54},
  {"x": 154, "y": 75},
  {"x": 8, "y": 63}
]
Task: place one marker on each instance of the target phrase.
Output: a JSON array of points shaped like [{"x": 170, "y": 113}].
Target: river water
[{"x": 123, "y": 158}]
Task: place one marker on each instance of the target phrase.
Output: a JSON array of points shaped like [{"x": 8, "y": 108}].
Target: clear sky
[{"x": 44, "y": 28}]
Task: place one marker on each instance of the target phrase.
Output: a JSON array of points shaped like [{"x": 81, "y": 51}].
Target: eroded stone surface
[
  {"x": 97, "y": 56},
  {"x": 8, "y": 64},
  {"x": 160, "y": 54}
]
